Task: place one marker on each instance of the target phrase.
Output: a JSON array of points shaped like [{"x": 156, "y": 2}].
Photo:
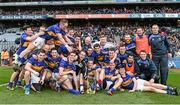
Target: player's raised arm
[
  {"x": 29, "y": 33},
  {"x": 62, "y": 72},
  {"x": 61, "y": 38},
  {"x": 68, "y": 37},
  {"x": 33, "y": 37}
]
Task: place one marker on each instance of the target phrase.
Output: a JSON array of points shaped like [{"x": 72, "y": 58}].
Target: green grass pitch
[{"x": 51, "y": 97}]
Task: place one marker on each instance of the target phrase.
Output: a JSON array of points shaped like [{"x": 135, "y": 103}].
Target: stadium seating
[
  {"x": 8, "y": 37},
  {"x": 89, "y": 10}
]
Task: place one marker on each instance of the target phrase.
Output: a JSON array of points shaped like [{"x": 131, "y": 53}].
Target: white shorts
[
  {"x": 39, "y": 42},
  {"x": 70, "y": 77},
  {"x": 34, "y": 78},
  {"x": 55, "y": 76},
  {"x": 15, "y": 58},
  {"x": 140, "y": 84},
  {"x": 108, "y": 84}
]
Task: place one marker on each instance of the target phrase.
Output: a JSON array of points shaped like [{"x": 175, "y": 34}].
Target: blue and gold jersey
[
  {"x": 98, "y": 58},
  {"x": 107, "y": 61},
  {"x": 91, "y": 72},
  {"x": 52, "y": 32},
  {"x": 67, "y": 66},
  {"x": 108, "y": 71},
  {"x": 36, "y": 65},
  {"x": 23, "y": 43},
  {"x": 130, "y": 46},
  {"x": 128, "y": 82},
  {"x": 53, "y": 63}
]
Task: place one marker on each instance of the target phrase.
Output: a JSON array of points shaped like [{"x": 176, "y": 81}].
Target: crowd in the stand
[
  {"x": 120, "y": 10},
  {"x": 62, "y": 58},
  {"x": 90, "y": 10},
  {"x": 111, "y": 31}
]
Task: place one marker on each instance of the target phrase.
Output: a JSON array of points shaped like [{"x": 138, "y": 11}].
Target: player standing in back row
[{"x": 160, "y": 49}]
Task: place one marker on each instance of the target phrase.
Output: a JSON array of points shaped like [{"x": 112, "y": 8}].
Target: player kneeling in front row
[
  {"x": 53, "y": 61},
  {"x": 112, "y": 79},
  {"x": 80, "y": 64},
  {"x": 66, "y": 75},
  {"x": 133, "y": 84},
  {"x": 25, "y": 40},
  {"x": 35, "y": 72},
  {"x": 89, "y": 78}
]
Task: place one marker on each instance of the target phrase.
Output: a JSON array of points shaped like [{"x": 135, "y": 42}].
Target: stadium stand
[{"x": 90, "y": 10}]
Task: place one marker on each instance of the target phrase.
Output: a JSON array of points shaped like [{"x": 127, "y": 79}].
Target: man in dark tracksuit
[
  {"x": 160, "y": 49},
  {"x": 147, "y": 68}
]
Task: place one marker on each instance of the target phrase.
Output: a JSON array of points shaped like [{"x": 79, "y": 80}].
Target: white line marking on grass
[{"x": 3, "y": 84}]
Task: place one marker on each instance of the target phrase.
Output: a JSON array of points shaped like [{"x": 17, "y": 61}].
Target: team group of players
[{"x": 55, "y": 58}]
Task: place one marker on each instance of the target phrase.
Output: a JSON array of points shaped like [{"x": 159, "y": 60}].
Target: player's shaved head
[{"x": 46, "y": 47}]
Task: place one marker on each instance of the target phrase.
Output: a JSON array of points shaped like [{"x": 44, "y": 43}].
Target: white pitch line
[{"x": 3, "y": 84}]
